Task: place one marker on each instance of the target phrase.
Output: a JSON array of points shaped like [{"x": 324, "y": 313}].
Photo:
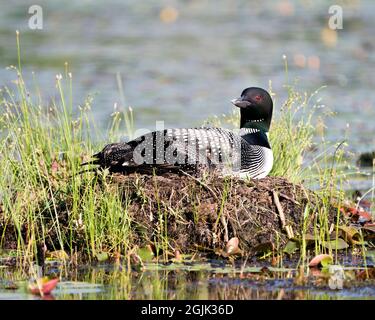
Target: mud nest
[{"x": 196, "y": 214}]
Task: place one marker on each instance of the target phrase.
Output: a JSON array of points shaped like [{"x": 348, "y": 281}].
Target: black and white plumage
[{"x": 243, "y": 153}]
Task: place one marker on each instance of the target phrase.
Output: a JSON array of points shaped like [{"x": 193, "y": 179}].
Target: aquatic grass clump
[{"x": 43, "y": 198}]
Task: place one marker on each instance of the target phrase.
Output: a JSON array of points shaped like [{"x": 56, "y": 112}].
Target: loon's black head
[{"x": 256, "y": 108}]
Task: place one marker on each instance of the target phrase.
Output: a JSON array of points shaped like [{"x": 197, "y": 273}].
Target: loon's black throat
[
  {"x": 260, "y": 125},
  {"x": 252, "y": 118},
  {"x": 257, "y": 127},
  {"x": 257, "y": 138}
]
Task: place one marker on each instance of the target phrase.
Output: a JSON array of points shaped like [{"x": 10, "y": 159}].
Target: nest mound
[
  {"x": 203, "y": 214},
  {"x": 190, "y": 214}
]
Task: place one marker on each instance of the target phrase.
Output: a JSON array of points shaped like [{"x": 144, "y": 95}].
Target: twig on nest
[
  {"x": 279, "y": 208},
  {"x": 225, "y": 225},
  {"x": 282, "y": 195},
  {"x": 201, "y": 183},
  {"x": 288, "y": 229}
]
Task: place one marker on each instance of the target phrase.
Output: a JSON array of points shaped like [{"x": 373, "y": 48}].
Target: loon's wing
[{"x": 190, "y": 150}]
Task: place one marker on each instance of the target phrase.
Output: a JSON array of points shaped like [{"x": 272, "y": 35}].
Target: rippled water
[
  {"x": 190, "y": 281},
  {"x": 186, "y": 70}
]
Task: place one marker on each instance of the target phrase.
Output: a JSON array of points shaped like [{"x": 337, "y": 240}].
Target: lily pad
[
  {"x": 102, "y": 256},
  {"x": 145, "y": 253},
  {"x": 43, "y": 286},
  {"x": 321, "y": 260},
  {"x": 338, "y": 244},
  {"x": 291, "y": 247}
]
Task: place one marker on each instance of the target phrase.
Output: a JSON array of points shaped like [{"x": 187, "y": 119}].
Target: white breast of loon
[{"x": 244, "y": 153}]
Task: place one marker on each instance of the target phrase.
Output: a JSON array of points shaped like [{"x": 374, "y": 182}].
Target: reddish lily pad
[
  {"x": 365, "y": 204},
  {"x": 43, "y": 286},
  {"x": 368, "y": 273},
  {"x": 321, "y": 260}
]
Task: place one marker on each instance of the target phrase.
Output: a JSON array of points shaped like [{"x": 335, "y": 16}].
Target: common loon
[{"x": 246, "y": 153}]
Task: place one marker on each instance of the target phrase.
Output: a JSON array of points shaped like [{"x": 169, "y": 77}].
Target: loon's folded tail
[{"x": 95, "y": 160}]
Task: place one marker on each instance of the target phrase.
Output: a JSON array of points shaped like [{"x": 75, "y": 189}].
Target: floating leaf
[
  {"x": 321, "y": 260},
  {"x": 291, "y": 247},
  {"x": 232, "y": 246},
  {"x": 102, "y": 256},
  {"x": 337, "y": 244},
  {"x": 146, "y": 253},
  {"x": 43, "y": 286}
]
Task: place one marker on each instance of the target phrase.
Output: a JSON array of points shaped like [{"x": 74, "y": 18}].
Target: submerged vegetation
[{"x": 49, "y": 208}]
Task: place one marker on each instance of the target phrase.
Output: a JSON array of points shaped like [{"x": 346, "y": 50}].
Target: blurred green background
[{"x": 182, "y": 61}]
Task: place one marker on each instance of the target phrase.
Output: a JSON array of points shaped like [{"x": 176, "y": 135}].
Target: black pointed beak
[{"x": 241, "y": 103}]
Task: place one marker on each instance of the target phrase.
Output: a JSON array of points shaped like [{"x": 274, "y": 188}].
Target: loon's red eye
[{"x": 258, "y": 98}]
